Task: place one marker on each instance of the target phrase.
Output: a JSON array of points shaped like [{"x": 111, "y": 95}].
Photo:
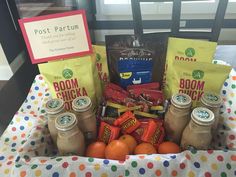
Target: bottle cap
[
  {"x": 54, "y": 106},
  {"x": 81, "y": 104},
  {"x": 211, "y": 99},
  {"x": 65, "y": 121},
  {"x": 202, "y": 116},
  {"x": 181, "y": 100}
]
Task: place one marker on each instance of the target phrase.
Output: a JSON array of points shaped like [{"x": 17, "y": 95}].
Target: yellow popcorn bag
[
  {"x": 71, "y": 78},
  {"x": 101, "y": 64},
  {"x": 188, "y": 50},
  {"x": 195, "y": 78}
]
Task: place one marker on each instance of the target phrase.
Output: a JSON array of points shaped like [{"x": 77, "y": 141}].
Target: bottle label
[
  {"x": 181, "y": 98},
  {"x": 53, "y": 104},
  {"x": 202, "y": 114},
  {"x": 82, "y": 102},
  {"x": 64, "y": 120},
  {"x": 212, "y": 97}
]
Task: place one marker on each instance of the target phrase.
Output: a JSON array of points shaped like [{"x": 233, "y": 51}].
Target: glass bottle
[
  {"x": 197, "y": 133},
  {"x": 212, "y": 101},
  {"x": 86, "y": 117},
  {"x": 70, "y": 139},
  {"x": 54, "y": 107},
  {"x": 177, "y": 116}
]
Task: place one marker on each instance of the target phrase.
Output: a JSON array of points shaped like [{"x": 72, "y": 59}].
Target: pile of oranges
[{"x": 127, "y": 145}]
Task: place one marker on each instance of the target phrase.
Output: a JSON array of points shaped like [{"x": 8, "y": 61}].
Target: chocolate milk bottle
[
  {"x": 54, "y": 107},
  {"x": 197, "y": 133},
  {"x": 70, "y": 139},
  {"x": 86, "y": 117},
  {"x": 177, "y": 116},
  {"x": 212, "y": 101}
]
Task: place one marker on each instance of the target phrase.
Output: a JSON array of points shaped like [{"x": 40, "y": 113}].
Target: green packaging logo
[
  {"x": 190, "y": 52},
  {"x": 98, "y": 57},
  {"x": 197, "y": 74},
  {"x": 67, "y": 73}
]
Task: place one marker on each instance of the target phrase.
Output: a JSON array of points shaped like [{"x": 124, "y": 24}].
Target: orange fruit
[
  {"x": 129, "y": 141},
  {"x": 116, "y": 150},
  {"x": 168, "y": 147},
  {"x": 96, "y": 150},
  {"x": 145, "y": 148}
]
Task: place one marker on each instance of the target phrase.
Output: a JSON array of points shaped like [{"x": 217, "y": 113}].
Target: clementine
[
  {"x": 168, "y": 147},
  {"x": 145, "y": 148},
  {"x": 130, "y": 142},
  {"x": 96, "y": 150},
  {"x": 116, "y": 150}
]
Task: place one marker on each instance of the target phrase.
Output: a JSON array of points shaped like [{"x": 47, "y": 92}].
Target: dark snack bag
[
  {"x": 130, "y": 62},
  {"x": 112, "y": 109},
  {"x": 109, "y": 120}
]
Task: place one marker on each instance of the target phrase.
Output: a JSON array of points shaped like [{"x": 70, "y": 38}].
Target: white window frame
[
  {"x": 207, "y": 7},
  {"x": 125, "y": 9}
]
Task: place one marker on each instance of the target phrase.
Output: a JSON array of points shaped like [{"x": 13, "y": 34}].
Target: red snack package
[
  {"x": 112, "y": 93},
  {"x": 137, "y": 134},
  {"x": 153, "y": 133},
  {"x": 117, "y": 88},
  {"x": 127, "y": 122},
  {"x": 150, "y": 86},
  {"x": 107, "y": 133}
]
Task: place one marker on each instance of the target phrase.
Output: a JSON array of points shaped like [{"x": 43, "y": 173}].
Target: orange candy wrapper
[
  {"x": 107, "y": 133},
  {"x": 127, "y": 122},
  {"x": 137, "y": 134},
  {"x": 153, "y": 133}
]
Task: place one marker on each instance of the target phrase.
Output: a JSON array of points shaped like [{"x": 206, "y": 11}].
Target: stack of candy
[{"x": 137, "y": 112}]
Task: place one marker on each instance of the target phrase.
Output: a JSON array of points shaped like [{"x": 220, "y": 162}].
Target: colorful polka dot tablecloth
[{"x": 26, "y": 148}]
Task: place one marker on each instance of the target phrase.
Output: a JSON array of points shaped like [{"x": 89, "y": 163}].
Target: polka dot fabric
[
  {"x": 26, "y": 148},
  {"x": 189, "y": 164},
  {"x": 225, "y": 137}
]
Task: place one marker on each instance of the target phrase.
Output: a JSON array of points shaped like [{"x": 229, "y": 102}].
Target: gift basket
[{"x": 156, "y": 106}]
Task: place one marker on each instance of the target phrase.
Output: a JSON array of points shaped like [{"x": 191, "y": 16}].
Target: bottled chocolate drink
[
  {"x": 177, "y": 116},
  {"x": 197, "y": 133},
  {"x": 54, "y": 107},
  {"x": 70, "y": 139},
  {"x": 212, "y": 101},
  {"x": 86, "y": 117}
]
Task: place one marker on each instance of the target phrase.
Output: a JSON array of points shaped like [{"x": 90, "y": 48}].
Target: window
[
  {"x": 123, "y": 2},
  {"x": 116, "y": 2},
  {"x": 122, "y": 7},
  {"x": 31, "y": 8},
  {"x": 128, "y": 1}
]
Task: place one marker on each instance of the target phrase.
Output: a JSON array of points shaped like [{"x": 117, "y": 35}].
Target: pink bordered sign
[{"x": 56, "y": 36}]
